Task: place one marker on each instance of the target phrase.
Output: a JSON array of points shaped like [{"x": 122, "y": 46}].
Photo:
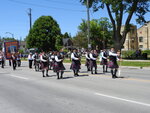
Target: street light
[{"x": 11, "y": 34}]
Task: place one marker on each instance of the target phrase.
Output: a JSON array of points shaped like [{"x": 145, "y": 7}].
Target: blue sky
[{"x": 67, "y": 13}]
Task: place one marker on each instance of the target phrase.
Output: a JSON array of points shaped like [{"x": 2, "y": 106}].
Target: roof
[{"x": 65, "y": 40}]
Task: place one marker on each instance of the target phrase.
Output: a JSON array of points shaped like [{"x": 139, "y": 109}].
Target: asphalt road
[{"x": 26, "y": 91}]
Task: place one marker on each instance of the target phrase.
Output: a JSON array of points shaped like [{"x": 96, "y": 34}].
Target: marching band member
[
  {"x": 36, "y": 60},
  {"x": 75, "y": 66},
  {"x": 14, "y": 61},
  {"x": 2, "y": 59},
  {"x": 104, "y": 62},
  {"x": 87, "y": 55},
  {"x": 18, "y": 59},
  {"x": 59, "y": 67},
  {"x": 44, "y": 63},
  {"x": 113, "y": 57},
  {"x": 93, "y": 58}
]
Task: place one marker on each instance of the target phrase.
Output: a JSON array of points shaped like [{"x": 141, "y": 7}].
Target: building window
[
  {"x": 140, "y": 46},
  {"x": 140, "y": 39}
]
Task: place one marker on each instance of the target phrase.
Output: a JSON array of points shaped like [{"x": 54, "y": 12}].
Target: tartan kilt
[
  {"x": 75, "y": 65},
  {"x": 93, "y": 63},
  {"x": 112, "y": 64},
  {"x": 104, "y": 62},
  {"x": 58, "y": 66},
  {"x": 87, "y": 63},
  {"x": 44, "y": 65},
  {"x": 51, "y": 63}
]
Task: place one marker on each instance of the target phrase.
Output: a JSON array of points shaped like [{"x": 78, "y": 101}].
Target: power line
[
  {"x": 60, "y": 2},
  {"x": 43, "y": 6}
]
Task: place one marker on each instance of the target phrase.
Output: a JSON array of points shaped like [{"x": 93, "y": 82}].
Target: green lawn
[
  {"x": 123, "y": 63},
  {"x": 135, "y": 63}
]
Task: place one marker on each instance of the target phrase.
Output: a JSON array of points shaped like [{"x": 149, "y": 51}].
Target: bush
[
  {"x": 128, "y": 54},
  {"x": 146, "y": 51}
]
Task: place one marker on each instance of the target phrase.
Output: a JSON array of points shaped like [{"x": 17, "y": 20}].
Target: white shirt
[
  {"x": 30, "y": 57},
  {"x": 86, "y": 55},
  {"x": 91, "y": 57},
  {"x": 73, "y": 57},
  {"x": 103, "y": 55},
  {"x": 112, "y": 54},
  {"x": 57, "y": 60},
  {"x": 41, "y": 58}
]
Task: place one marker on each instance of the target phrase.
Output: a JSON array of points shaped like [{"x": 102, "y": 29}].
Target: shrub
[
  {"x": 128, "y": 54},
  {"x": 146, "y": 51}
]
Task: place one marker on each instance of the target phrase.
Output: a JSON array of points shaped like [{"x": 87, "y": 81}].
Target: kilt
[
  {"x": 112, "y": 64},
  {"x": 51, "y": 63},
  {"x": 58, "y": 66},
  {"x": 87, "y": 63},
  {"x": 44, "y": 65},
  {"x": 75, "y": 65},
  {"x": 93, "y": 63},
  {"x": 104, "y": 62}
]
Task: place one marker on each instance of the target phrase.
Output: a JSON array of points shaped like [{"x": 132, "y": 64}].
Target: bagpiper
[
  {"x": 51, "y": 60},
  {"x": 44, "y": 63},
  {"x": 93, "y": 63},
  {"x": 104, "y": 62},
  {"x": 18, "y": 59},
  {"x": 59, "y": 67},
  {"x": 87, "y": 63},
  {"x": 2, "y": 59},
  {"x": 36, "y": 60},
  {"x": 14, "y": 60},
  {"x": 113, "y": 65},
  {"x": 75, "y": 66}
]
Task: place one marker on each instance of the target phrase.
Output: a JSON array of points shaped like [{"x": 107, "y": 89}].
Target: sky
[{"x": 14, "y": 17}]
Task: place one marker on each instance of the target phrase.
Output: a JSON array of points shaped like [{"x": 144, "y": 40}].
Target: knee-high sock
[
  {"x": 43, "y": 72},
  {"x": 47, "y": 72},
  {"x": 57, "y": 74},
  {"x": 61, "y": 74}
]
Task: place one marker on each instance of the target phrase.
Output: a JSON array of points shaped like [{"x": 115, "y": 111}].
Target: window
[
  {"x": 140, "y": 46},
  {"x": 140, "y": 39}
]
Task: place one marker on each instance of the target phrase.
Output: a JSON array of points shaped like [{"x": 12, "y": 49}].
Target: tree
[
  {"x": 66, "y": 35},
  {"x": 43, "y": 34},
  {"x": 80, "y": 40},
  {"x": 116, "y": 10},
  {"x": 100, "y": 32}
]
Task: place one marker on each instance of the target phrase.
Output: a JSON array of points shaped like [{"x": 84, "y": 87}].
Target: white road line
[
  {"x": 117, "y": 98},
  {"x": 19, "y": 77}
]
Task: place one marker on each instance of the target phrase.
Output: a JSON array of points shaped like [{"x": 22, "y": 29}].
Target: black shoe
[
  {"x": 47, "y": 75},
  {"x": 43, "y": 76},
  {"x": 91, "y": 72},
  {"x": 77, "y": 74},
  {"x": 95, "y": 72}
]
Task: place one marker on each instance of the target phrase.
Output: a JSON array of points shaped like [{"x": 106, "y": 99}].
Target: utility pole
[
  {"x": 88, "y": 25},
  {"x": 30, "y": 17}
]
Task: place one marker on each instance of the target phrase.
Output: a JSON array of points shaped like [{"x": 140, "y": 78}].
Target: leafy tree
[
  {"x": 44, "y": 34},
  {"x": 59, "y": 42},
  {"x": 80, "y": 40},
  {"x": 116, "y": 10},
  {"x": 100, "y": 32},
  {"x": 66, "y": 35}
]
